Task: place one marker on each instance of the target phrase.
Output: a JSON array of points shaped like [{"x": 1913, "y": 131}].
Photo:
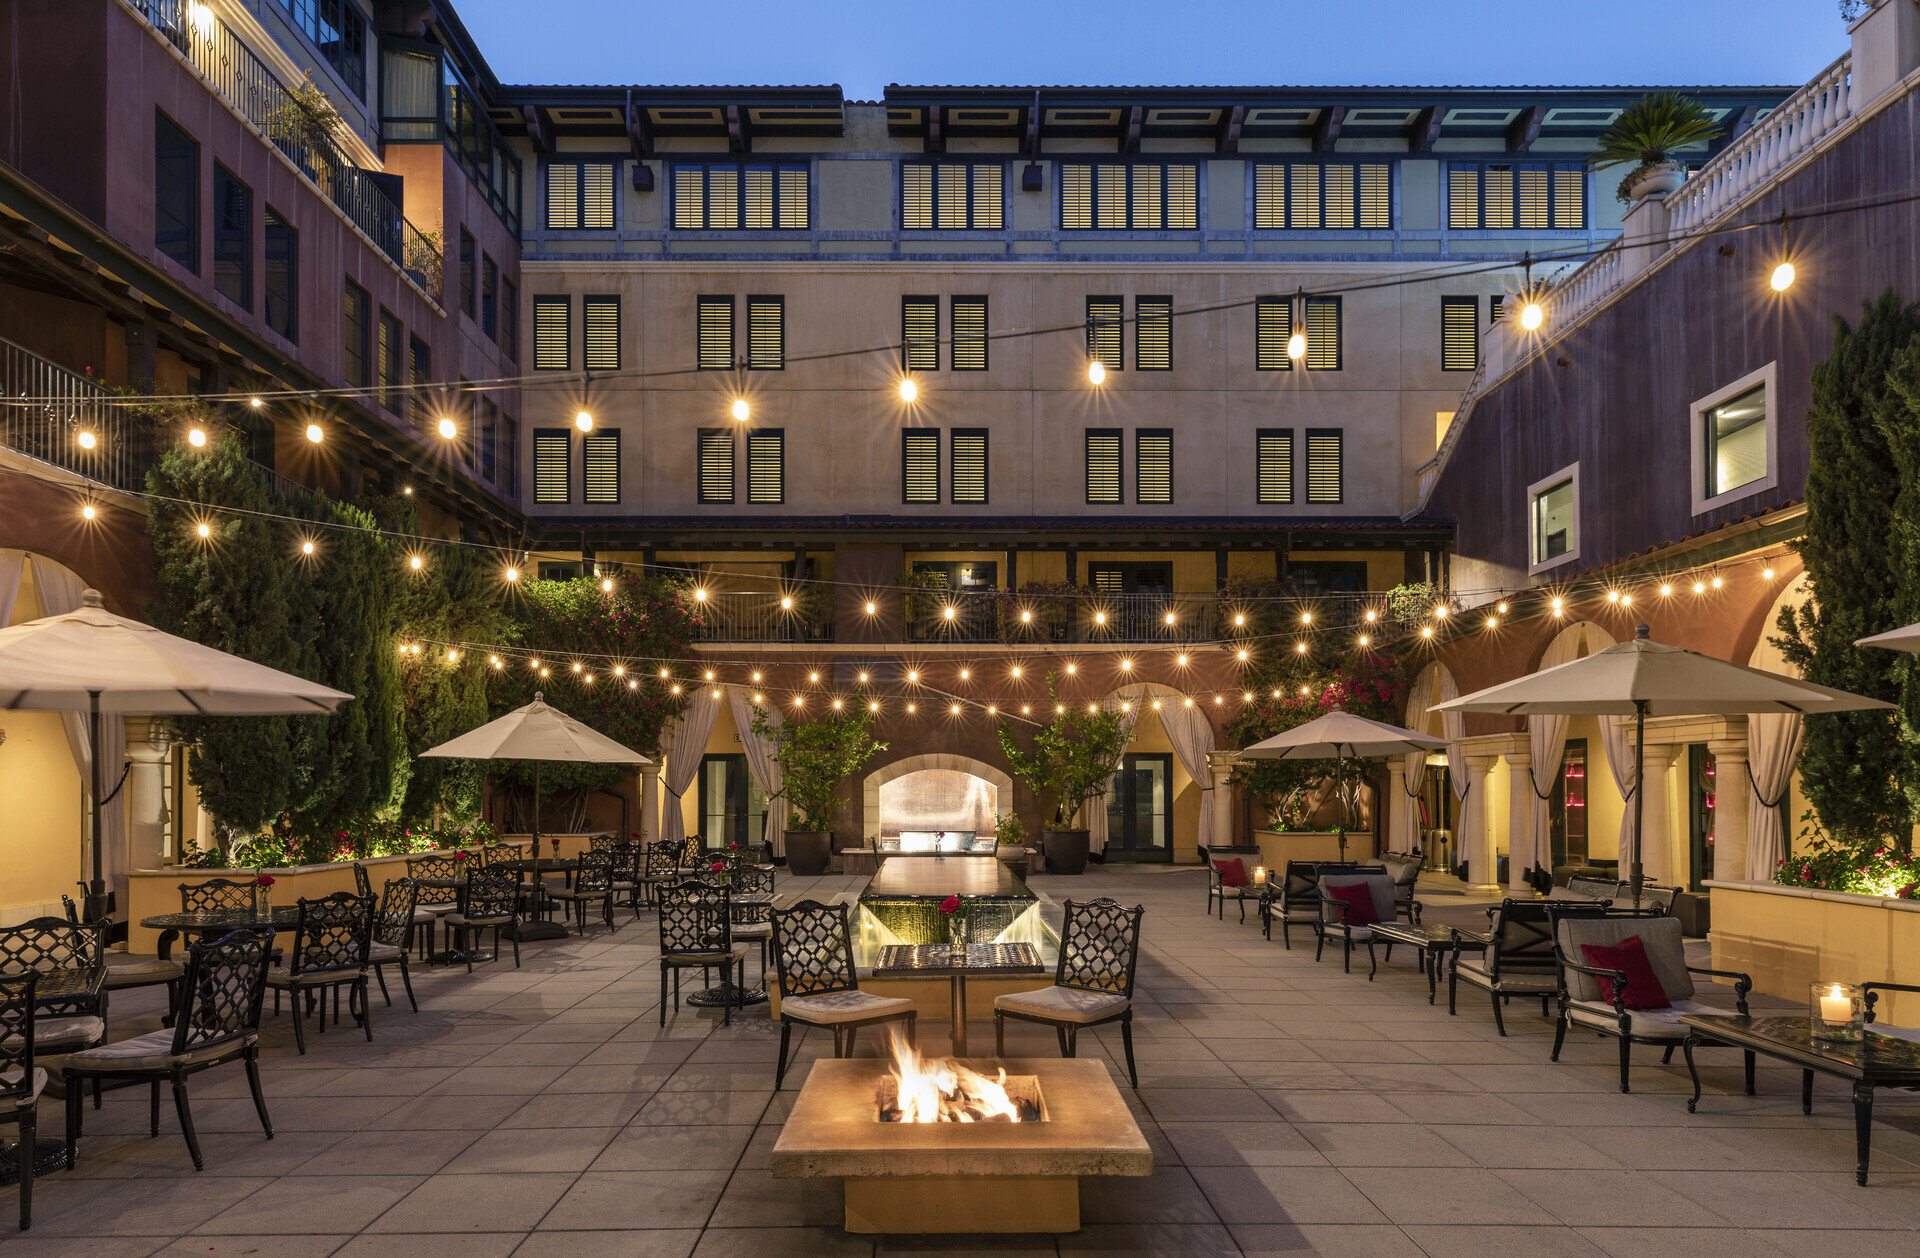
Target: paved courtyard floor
[{"x": 1293, "y": 1109}]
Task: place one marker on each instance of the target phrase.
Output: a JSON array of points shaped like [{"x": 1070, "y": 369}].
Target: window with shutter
[
  {"x": 796, "y": 210},
  {"x": 389, "y": 362},
  {"x": 968, "y": 320},
  {"x": 552, "y": 334},
  {"x": 580, "y": 195},
  {"x": 1337, "y": 196},
  {"x": 1153, "y": 333},
  {"x": 1496, "y": 308},
  {"x": 916, "y": 196},
  {"x": 1323, "y": 465},
  {"x": 1459, "y": 333},
  {"x": 988, "y": 210},
  {"x": 1183, "y": 198},
  {"x": 600, "y": 466},
  {"x": 1146, "y": 210},
  {"x": 1076, "y": 197},
  {"x": 952, "y": 196},
  {"x": 1303, "y": 196},
  {"x": 716, "y": 333},
  {"x": 689, "y": 197},
  {"x": 754, "y": 196},
  {"x": 1463, "y": 197},
  {"x": 600, "y": 332},
  {"x": 723, "y": 199},
  {"x": 1269, "y": 195},
  {"x": 1153, "y": 465},
  {"x": 1104, "y": 332},
  {"x": 920, "y": 333},
  {"x": 1569, "y": 197},
  {"x": 1516, "y": 195},
  {"x": 1530, "y": 198},
  {"x": 716, "y": 464},
  {"x": 550, "y": 457},
  {"x": 1323, "y": 333},
  {"x": 1374, "y": 209},
  {"x": 766, "y": 333},
  {"x": 1103, "y": 465},
  {"x": 1139, "y": 197},
  {"x": 563, "y": 195},
  {"x": 1272, "y": 327},
  {"x": 968, "y": 466},
  {"x": 1496, "y": 197},
  {"x": 767, "y": 466},
  {"x": 596, "y": 196},
  {"x": 419, "y": 363},
  {"x": 920, "y": 465},
  {"x": 1273, "y": 451}
]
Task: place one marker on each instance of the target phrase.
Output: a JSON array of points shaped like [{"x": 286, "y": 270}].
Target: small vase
[
  {"x": 957, "y": 939},
  {"x": 263, "y": 901}
]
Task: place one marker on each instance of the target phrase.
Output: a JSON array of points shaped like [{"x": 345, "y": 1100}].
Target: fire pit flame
[{"x": 947, "y": 1091}]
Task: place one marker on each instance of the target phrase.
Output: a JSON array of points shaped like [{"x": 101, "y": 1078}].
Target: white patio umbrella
[
  {"x": 90, "y": 660},
  {"x": 537, "y": 732},
  {"x": 1642, "y": 678},
  {"x": 1905, "y": 639},
  {"x": 1341, "y": 736}
]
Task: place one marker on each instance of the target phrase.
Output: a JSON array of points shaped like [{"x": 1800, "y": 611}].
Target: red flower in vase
[
  {"x": 950, "y": 905},
  {"x": 556, "y": 845},
  {"x": 264, "y": 880},
  {"x": 459, "y": 856},
  {"x": 717, "y": 866}
]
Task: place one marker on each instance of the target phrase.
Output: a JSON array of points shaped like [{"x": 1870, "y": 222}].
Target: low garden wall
[{"x": 1789, "y": 937}]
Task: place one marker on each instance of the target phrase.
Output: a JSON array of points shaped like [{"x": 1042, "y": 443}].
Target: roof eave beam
[
  {"x": 736, "y": 131},
  {"x": 1230, "y": 137},
  {"x": 638, "y": 135},
  {"x": 1030, "y": 145},
  {"x": 1524, "y": 130},
  {"x": 936, "y": 142},
  {"x": 1426, "y": 129},
  {"x": 1136, "y": 119},
  {"x": 537, "y": 129},
  {"x": 1326, "y": 130}
]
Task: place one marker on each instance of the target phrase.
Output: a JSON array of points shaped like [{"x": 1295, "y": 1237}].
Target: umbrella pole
[
  {"x": 536, "y": 809},
  {"x": 1639, "y": 788},
  {"x": 97, "y": 889}
]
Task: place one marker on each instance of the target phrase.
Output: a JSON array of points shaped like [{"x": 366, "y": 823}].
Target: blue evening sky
[{"x": 865, "y": 44}]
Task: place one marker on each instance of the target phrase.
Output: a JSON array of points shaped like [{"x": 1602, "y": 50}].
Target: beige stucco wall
[{"x": 41, "y": 845}]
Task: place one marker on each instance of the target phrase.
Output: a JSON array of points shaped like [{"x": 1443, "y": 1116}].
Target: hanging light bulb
[
  {"x": 1699, "y": 587},
  {"x": 1016, "y": 672},
  {"x": 204, "y": 530},
  {"x": 632, "y": 684},
  {"x": 1169, "y": 618},
  {"x": 1306, "y": 618},
  {"x": 909, "y": 390},
  {"x": 1782, "y": 278},
  {"x": 949, "y": 612},
  {"x": 1180, "y": 659},
  {"x": 912, "y": 708},
  {"x": 1126, "y": 666},
  {"x": 756, "y": 677},
  {"x": 1440, "y": 612},
  {"x": 1492, "y": 623},
  {"x": 88, "y": 512},
  {"x": 1026, "y": 709},
  {"x": 1072, "y": 669},
  {"x": 1096, "y": 371},
  {"x": 1026, "y": 616},
  {"x": 306, "y": 548},
  {"x": 966, "y": 674},
  {"x": 1717, "y": 583},
  {"x": 513, "y": 574},
  {"x": 314, "y": 434},
  {"x": 255, "y": 403},
  {"x": 583, "y": 421},
  {"x": 1666, "y": 589},
  {"x": 619, "y": 670},
  {"x": 863, "y": 679},
  {"x": 1239, "y": 620},
  {"x": 196, "y": 437},
  {"x": 873, "y": 705},
  {"x": 837, "y": 704},
  {"x": 606, "y": 585},
  {"x": 1766, "y": 574},
  {"x": 700, "y": 594},
  {"x": 1365, "y": 640},
  {"x": 1501, "y": 608},
  {"x": 913, "y": 675},
  {"x": 1099, "y": 618},
  {"x": 416, "y": 562},
  {"x": 814, "y": 678},
  {"x": 710, "y": 674},
  {"x": 741, "y": 410},
  {"x": 992, "y": 710},
  {"x": 1532, "y": 316},
  {"x": 871, "y": 609},
  {"x": 786, "y": 602},
  {"x": 87, "y": 440},
  {"x": 447, "y": 430},
  {"x": 663, "y": 674},
  {"x": 1372, "y": 615},
  {"x": 1242, "y": 656}
]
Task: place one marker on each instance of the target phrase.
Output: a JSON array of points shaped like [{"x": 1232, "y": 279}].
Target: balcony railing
[
  {"x": 1092, "y": 618},
  {"x": 297, "y": 129},
  {"x": 1798, "y": 124},
  {"x": 758, "y": 617},
  {"x": 66, "y": 411}
]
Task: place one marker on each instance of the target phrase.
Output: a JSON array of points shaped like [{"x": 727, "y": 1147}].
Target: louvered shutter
[
  {"x": 600, "y": 332},
  {"x": 1076, "y": 196},
  {"x": 766, "y": 333},
  {"x": 1103, "y": 465},
  {"x": 1107, "y": 578},
  {"x": 1273, "y": 448},
  {"x": 920, "y": 465},
  {"x": 1146, "y": 210},
  {"x": 1153, "y": 333},
  {"x": 1110, "y": 198},
  {"x": 767, "y": 466},
  {"x": 1153, "y": 465},
  {"x": 916, "y": 196},
  {"x": 1303, "y": 195},
  {"x": 795, "y": 202},
  {"x": 1272, "y": 326},
  {"x": 1496, "y": 197},
  {"x": 1459, "y": 333},
  {"x": 716, "y": 464},
  {"x": 968, "y": 470},
  {"x": 951, "y": 189},
  {"x": 1323, "y": 334},
  {"x": 989, "y": 197},
  {"x": 563, "y": 196},
  {"x": 600, "y": 466},
  {"x": 1323, "y": 465},
  {"x": 1269, "y": 196},
  {"x": 1104, "y": 332},
  {"x": 689, "y": 197},
  {"x": 552, "y": 334},
  {"x": 716, "y": 333},
  {"x": 920, "y": 333},
  {"x": 756, "y": 198},
  {"x": 723, "y": 197},
  {"x": 550, "y": 454},
  {"x": 968, "y": 319},
  {"x": 1530, "y": 198},
  {"x": 1183, "y": 198},
  {"x": 1463, "y": 197},
  {"x": 1496, "y": 308},
  {"x": 1336, "y": 209},
  {"x": 1569, "y": 197},
  {"x": 1375, "y": 210},
  {"x": 596, "y": 196}
]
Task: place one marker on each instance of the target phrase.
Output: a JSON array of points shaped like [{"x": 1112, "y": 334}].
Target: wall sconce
[
  {"x": 642, "y": 177},
  {"x": 1030, "y": 177}
]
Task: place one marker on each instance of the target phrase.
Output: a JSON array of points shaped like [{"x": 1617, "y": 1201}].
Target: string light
[
  {"x": 1440, "y": 612},
  {"x": 447, "y": 429},
  {"x": 863, "y": 679},
  {"x": 1096, "y": 371},
  {"x": 1666, "y": 589},
  {"x": 913, "y": 675},
  {"x": 1766, "y": 574},
  {"x": 1099, "y": 618},
  {"x": 632, "y": 684},
  {"x": 756, "y": 677},
  {"x": 1426, "y": 631},
  {"x": 992, "y": 710},
  {"x": 1016, "y": 672},
  {"x": 513, "y": 574},
  {"x": 1717, "y": 582},
  {"x": 1782, "y": 277},
  {"x": 949, "y": 612},
  {"x": 1299, "y": 648},
  {"x": 1026, "y": 709},
  {"x": 1026, "y": 616},
  {"x": 700, "y": 594},
  {"x": 912, "y": 708},
  {"x": 315, "y": 434},
  {"x": 1239, "y": 620},
  {"x": 741, "y": 409},
  {"x": 196, "y": 437},
  {"x": 663, "y": 677},
  {"x": 1501, "y": 608},
  {"x": 871, "y": 609},
  {"x": 966, "y": 674},
  {"x": 1170, "y": 618},
  {"x": 306, "y": 548},
  {"x": 416, "y": 562},
  {"x": 814, "y": 678},
  {"x": 1365, "y": 640},
  {"x": 1072, "y": 669},
  {"x": 1242, "y": 656},
  {"x": 87, "y": 439},
  {"x": 87, "y": 512},
  {"x": 710, "y": 675},
  {"x": 256, "y": 403},
  {"x": 606, "y": 585},
  {"x": 954, "y": 710},
  {"x": 837, "y": 704},
  {"x": 1180, "y": 659},
  {"x": 1126, "y": 666},
  {"x": 1372, "y": 615},
  {"x": 204, "y": 530},
  {"x": 1699, "y": 587},
  {"x": 873, "y": 705},
  {"x": 909, "y": 390},
  {"x": 583, "y": 421},
  {"x": 786, "y": 602}
]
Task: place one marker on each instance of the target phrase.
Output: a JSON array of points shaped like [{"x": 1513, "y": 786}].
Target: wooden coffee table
[{"x": 1875, "y": 1061}]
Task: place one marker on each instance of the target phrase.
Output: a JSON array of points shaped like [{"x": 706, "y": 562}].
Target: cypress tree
[{"x": 1900, "y": 428}]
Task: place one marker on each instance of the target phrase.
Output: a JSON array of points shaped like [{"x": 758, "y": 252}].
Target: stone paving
[{"x": 1293, "y": 1110}]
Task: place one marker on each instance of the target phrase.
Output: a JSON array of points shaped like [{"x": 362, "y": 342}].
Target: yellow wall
[
  {"x": 41, "y": 844},
  {"x": 1787, "y": 940}
]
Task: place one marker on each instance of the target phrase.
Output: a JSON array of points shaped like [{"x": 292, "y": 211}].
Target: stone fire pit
[{"x": 961, "y": 1177}]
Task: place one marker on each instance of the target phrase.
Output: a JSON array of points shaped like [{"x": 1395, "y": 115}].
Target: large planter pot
[
  {"x": 809, "y": 852},
  {"x": 1658, "y": 181},
  {"x": 1065, "y": 851}
]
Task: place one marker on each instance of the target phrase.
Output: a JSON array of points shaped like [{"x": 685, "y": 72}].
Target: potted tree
[
  {"x": 814, "y": 758},
  {"x": 1648, "y": 133},
  {"x": 1073, "y": 758},
  {"x": 1010, "y": 840}
]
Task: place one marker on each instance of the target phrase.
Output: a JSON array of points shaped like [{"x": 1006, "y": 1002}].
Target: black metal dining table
[
  {"x": 217, "y": 922},
  {"x": 740, "y": 997},
  {"x": 59, "y": 992},
  {"x": 988, "y": 960}
]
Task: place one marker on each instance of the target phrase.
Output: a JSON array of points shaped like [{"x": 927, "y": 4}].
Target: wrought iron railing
[
  {"x": 299, "y": 130},
  {"x": 759, "y": 617},
  {"x": 64, "y": 418}
]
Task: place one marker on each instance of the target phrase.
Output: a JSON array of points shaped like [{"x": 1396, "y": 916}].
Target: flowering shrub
[
  {"x": 380, "y": 838},
  {"x": 1832, "y": 864}
]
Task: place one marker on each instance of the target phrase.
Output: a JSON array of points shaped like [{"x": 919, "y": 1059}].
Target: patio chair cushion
[
  {"x": 384, "y": 952},
  {"x": 1233, "y": 873},
  {"x": 424, "y": 916},
  {"x": 843, "y": 1007},
  {"x": 152, "y": 1051},
  {"x": 143, "y": 972},
  {"x": 1661, "y": 936},
  {"x": 461, "y": 919},
  {"x": 65, "y": 1035},
  {"x": 1645, "y": 1023},
  {"x": 1377, "y": 882},
  {"x": 11, "y": 1079},
  {"x": 1062, "y": 1004},
  {"x": 1474, "y": 970},
  {"x": 1629, "y": 956},
  {"x": 753, "y": 930},
  {"x": 314, "y": 978},
  {"x": 710, "y": 957},
  {"x": 1358, "y": 897}
]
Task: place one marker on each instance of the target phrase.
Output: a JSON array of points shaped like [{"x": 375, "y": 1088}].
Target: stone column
[
  {"x": 1731, "y": 798},
  {"x": 1470, "y": 842},
  {"x": 148, "y": 743},
  {"x": 1219, "y": 769},
  {"x": 650, "y": 801},
  {"x": 1519, "y": 816},
  {"x": 1656, "y": 831},
  {"x": 1395, "y": 827}
]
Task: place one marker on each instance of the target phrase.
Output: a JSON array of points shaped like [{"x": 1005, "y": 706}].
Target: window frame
[
  {"x": 187, "y": 183},
  {"x": 1094, "y": 166},
  {"x": 701, "y": 304},
  {"x": 1140, "y": 436},
  {"x": 678, "y": 170},
  {"x": 700, "y": 448},
  {"x": 984, "y": 339},
  {"x": 910, "y": 346},
  {"x": 1286, "y": 168},
  {"x": 1472, "y": 306},
  {"x": 1151, "y": 312},
  {"x": 1570, "y": 475},
  {"x": 1767, "y": 378},
  {"x": 592, "y": 444},
  {"x": 755, "y": 360},
  {"x": 1479, "y": 169},
  {"x": 565, "y": 437},
  {"x": 1120, "y": 465},
  {"x": 986, "y": 467},
  {"x": 304, "y": 16},
  {"x": 1340, "y": 466},
  {"x": 917, "y": 441},
  {"x": 564, "y": 304},
  {"x": 1322, "y": 301},
  {"x": 1260, "y": 436},
  {"x": 934, "y": 204},
  {"x": 1261, "y": 307},
  {"x": 778, "y": 436},
  {"x": 589, "y": 302},
  {"x": 578, "y": 165},
  {"x": 228, "y": 186},
  {"x": 1100, "y": 326}
]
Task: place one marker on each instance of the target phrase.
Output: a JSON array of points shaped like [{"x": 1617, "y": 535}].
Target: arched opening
[{"x": 935, "y": 802}]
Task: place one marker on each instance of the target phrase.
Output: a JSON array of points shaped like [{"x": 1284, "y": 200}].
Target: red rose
[
  {"x": 264, "y": 880},
  {"x": 459, "y": 856},
  {"x": 950, "y": 905},
  {"x": 717, "y": 866}
]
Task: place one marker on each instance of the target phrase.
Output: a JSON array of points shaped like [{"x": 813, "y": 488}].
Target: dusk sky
[{"x": 864, "y": 44}]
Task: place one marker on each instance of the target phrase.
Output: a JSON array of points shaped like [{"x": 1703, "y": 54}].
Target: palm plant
[{"x": 1648, "y": 133}]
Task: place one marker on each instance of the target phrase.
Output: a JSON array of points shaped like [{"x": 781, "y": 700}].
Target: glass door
[
  {"x": 1567, "y": 810},
  {"x": 732, "y": 807},
  {"x": 1701, "y": 789},
  {"x": 1139, "y": 825}
]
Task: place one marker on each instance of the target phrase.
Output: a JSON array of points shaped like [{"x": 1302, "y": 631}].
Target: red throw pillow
[
  {"x": 1232, "y": 873},
  {"x": 1629, "y": 956},
  {"x": 1358, "y": 897}
]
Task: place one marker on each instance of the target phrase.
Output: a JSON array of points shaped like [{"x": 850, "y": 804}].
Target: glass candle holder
[
  {"x": 1837, "y": 1011},
  {"x": 957, "y": 937}
]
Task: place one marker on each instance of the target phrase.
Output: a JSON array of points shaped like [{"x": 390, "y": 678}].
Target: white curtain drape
[
  {"x": 1547, "y": 735},
  {"x": 1616, "y": 735},
  {"x": 13, "y": 565},
  {"x": 60, "y": 588},
  {"x": 1191, "y": 734},
  {"x": 1093, "y": 812},
  {"x": 1423, "y": 694},
  {"x": 1773, "y": 748},
  {"x": 689, "y": 732},
  {"x": 761, "y": 764}
]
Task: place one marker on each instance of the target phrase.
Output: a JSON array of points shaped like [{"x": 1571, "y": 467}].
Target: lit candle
[
  {"x": 1836, "y": 1008},
  {"x": 1259, "y": 875}
]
